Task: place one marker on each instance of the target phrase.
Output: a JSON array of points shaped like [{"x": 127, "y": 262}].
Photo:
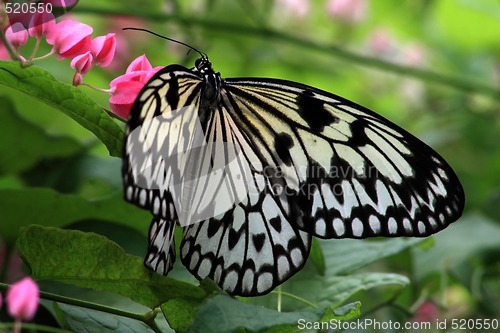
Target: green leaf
[
  {"x": 316, "y": 256},
  {"x": 43, "y": 203},
  {"x": 84, "y": 320},
  {"x": 91, "y": 261},
  {"x": 30, "y": 147},
  {"x": 179, "y": 313},
  {"x": 337, "y": 289},
  {"x": 344, "y": 256},
  {"x": 472, "y": 235},
  {"x": 40, "y": 84},
  {"x": 224, "y": 314}
]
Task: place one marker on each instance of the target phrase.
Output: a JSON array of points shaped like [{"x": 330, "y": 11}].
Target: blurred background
[{"x": 432, "y": 67}]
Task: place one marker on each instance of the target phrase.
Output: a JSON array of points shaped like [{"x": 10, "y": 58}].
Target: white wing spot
[
  {"x": 320, "y": 227},
  {"x": 297, "y": 257},
  {"x": 248, "y": 279},
  {"x": 392, "y": 226},
  {"x": 374, "y": 224},
  {"x": 142, "y": 197},
  {"x": 230, "y": 281},
  {"x": 407, "y": 225},
  {"x": 283, "y": 267},
  {"x": 357, "y": 227},
  {"x": 264, "y": 281},
  {"x": 195, "y": 257},
  {"x": 338, "y": 226},
  {"x": 421, "y": 227}
]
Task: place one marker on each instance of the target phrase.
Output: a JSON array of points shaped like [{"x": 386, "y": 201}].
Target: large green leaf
[
  {"x": 344, "y": 256},
  {"x": 461, "y": 242},
  {"x": 225, "y": 314},
  {"x": 91, "y": 261},
  {"x": 50, "y": 208},
  {"x": 40, "y": 84},
  {"x": 22, "y": 144}
]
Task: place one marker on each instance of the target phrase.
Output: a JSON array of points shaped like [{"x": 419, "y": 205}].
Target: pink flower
[
  {"x": 125, "y": 88},
  {"x": 299, "y": 8},
  {"x": 103, "y": 49},
  {"x": 41, "y": 23},
  {"x": 23, "y": 298},
  {"x": 16, "y": 35},
  {"x": 70, "y": 38},
  {"x": 141, "y": 63},
  {"x": 82, "y": 63},
  {"x": 347, "y": 10}
]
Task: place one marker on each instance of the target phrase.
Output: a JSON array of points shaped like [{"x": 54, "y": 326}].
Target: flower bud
[
  {"x": 16, "y": 35},
  {"x": 22, "y": 299}
]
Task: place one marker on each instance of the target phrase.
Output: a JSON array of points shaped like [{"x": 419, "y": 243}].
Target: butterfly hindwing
[
  {"x": 247, "y": 251},
  {"x": 161, "y": 250}
]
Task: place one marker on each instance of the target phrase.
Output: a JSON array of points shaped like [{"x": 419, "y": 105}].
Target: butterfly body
[{"x": 302, "y": 162}]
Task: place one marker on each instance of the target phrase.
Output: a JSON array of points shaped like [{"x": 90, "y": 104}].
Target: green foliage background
[{"x": 59, "y": 166}]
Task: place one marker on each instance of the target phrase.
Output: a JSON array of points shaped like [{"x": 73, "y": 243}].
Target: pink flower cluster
[
  {"x": 22, "y": 299},
  {"x": 69, "y": 39},
  {"x": 72, "y": 40}
]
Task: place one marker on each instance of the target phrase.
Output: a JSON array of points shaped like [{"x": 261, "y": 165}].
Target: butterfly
[{"x": 253, "y": 168}]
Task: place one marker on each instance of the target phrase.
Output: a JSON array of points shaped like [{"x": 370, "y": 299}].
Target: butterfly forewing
[
  {"x": 253, "y": 168},
  {"x": 351, "y": 172}
]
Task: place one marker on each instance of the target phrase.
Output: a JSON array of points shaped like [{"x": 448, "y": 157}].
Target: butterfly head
[{"x": 203, "y": 65}]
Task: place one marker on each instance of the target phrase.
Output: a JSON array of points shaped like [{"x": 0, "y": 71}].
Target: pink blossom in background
[
  {"x": 351, "y": 11},
  {"x": 70, "y": 38},
  {"x": 381, "y": 42},
  {"x": 103, "y": 49},
  {"x": 299, "y": 8},
  {"x": 123, "y": 39},
  {"x": 413, "y": 55},
  {"x": 40, "y": 24},
  {"x": 22, "y": 299},
  {"x": 427, "y": 312},
  {"x": 16, "y": 35}
]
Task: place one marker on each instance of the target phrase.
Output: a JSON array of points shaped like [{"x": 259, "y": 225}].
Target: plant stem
[
  {"x": 264, "y": 32},
  {"x": 8, "y": 46},
  {"x": 147, "y": 318},
  {"x": 284, "y": 293},
  {"x": 34, "y": 328}
]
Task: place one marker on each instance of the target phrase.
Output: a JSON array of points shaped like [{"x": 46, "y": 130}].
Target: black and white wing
[
  {"x": 247, "y": 246},
  {"x": 347, "y": 171},
  {"x": 253, "y": 168},
  {"x": 156, "y": 130}
]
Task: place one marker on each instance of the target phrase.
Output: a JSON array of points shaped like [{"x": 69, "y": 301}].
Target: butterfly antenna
[{"x": 202, "y": 54}]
